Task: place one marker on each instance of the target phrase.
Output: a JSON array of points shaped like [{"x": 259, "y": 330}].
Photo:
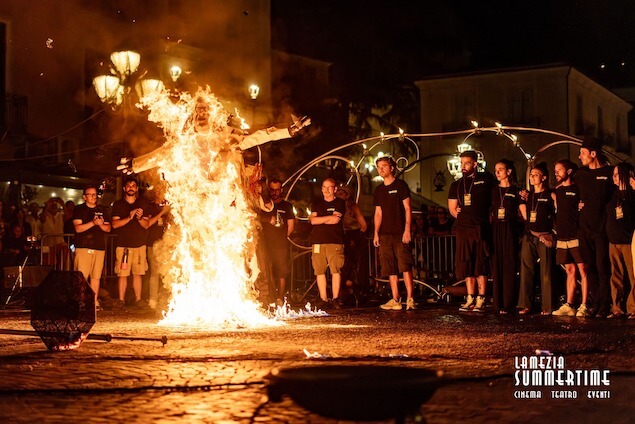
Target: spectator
[
  {"x": 91, "y": 223},
  {"x": 33, "y": 220},
  {"x": 504, "y": 209},
  {"x": 594, "y": 180},
  {"x": 620, "y": 224},
  {"x": 392, "y": 235},
  {"x": 538, "y": 242},
  {"x": 355, "y": 244},
  {"x": 443, "y": 223},
  {"x": 567, "y": 199},
  {"x": 469, "y": 200},
  {"x": 327, "y": 239},
  {"x": 52, "y": 222},
  {"x": 16, "y": 243},
  {"x": 69, "y": 227},
  {"x": 130, "y": 222},
  {"x": 277, "y": 225},
  {"x": 156, "y": 228}
]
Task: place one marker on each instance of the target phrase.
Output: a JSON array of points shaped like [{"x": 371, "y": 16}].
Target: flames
[{"x": 208, "y": 254}]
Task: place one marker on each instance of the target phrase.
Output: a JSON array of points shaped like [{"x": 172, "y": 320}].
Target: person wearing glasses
[
  {"x": 538, "y": 212},
  {"x": 327, "y": 241},
  {"x": 393, "y": 222},
  {"x": 91, "y": 224}
]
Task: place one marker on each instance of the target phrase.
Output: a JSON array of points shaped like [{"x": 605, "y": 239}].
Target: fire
[{"x": 208, "y": 254}]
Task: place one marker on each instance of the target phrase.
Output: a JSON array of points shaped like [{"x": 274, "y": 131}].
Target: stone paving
[{"x": 204, "y": 376}]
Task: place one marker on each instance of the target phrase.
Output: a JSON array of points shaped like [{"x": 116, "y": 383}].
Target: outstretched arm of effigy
[
  {"x": 263, "y": 136},
  {"x": 149, "y": 160}
]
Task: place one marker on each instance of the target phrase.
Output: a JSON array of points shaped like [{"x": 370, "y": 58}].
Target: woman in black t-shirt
[
  {"x": 504, "y": 216},
  {"x": 538, "y": 241}
]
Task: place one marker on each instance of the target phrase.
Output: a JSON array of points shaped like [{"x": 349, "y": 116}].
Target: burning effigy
[{"x": 208, "y": 256}]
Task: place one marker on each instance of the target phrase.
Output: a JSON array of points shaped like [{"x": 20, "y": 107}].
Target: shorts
[
  {"x": 394, "y": 255},
  {"x": 327, "y": 254},
  {"x": 279, "y": 259},
  {"x": 89, "y": 262},
  {"x": 568, "y": 252},
  {"x": 137, "y": 261},
  {"x": 471, "y": 253}
]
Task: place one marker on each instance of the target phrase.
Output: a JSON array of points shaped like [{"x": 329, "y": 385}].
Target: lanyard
[{"x": 501, "y": 195}]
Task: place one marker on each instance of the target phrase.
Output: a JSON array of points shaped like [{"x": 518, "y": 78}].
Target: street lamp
[{"x": 113, "y": 89}]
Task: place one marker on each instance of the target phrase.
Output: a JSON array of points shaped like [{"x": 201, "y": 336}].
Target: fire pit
[{"x": 354, "y": 392}]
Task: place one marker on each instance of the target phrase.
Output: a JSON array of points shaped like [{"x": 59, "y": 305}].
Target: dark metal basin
[{"x": 354, "y": 392}]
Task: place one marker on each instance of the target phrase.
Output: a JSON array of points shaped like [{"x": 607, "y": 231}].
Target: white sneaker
[
  {"x": 480, "y": 304},
  {"x": 468, "y": 305},
  {"x": 392, "y": 305},
  {"x": 410, "y": 304},
  {"x": 564, "y": 310},
  {"x": 583, "y": 311}
]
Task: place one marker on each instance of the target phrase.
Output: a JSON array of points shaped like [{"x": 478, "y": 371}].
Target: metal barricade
[
  {"x": 55, "y": 251},
  {"x": 434, "y": 263}
]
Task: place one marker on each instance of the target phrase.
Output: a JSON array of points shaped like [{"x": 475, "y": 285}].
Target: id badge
[
  {"x": 467, "y": 199},
  {"x": 619, "y": 213},
  {"x": 91, "y": 252},
  {"x": 501, "y": 213},
  {"x": 316, "y": 248},
  {"x": 532, "y": 216}
]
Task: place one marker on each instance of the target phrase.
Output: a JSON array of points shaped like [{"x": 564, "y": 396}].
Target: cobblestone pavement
[{"x": 219, "y": 376}]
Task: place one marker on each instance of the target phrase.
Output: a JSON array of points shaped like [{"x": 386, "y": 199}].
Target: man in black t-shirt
[
  {"x": 327, "y": 239},
  {"x": 392, "y": 220},
  {"x": 277, "y": 225},
  {"x": 91, "y": 223},
  {"x": 130, "y": 223},
  {"x": 469, "y": 200},
  {"x": 595, "y": 181},
  {"x": 568, "y": 254}
]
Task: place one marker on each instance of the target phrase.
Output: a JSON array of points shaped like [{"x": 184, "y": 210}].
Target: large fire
[{"x": 208, "y": 255}]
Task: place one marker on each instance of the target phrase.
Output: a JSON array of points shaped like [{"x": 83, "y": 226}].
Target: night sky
[{"x": 397, "y": 42}]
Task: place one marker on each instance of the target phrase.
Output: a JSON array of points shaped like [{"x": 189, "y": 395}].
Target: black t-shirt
[
  {"x": 619, "y": 230},
  {"x": 596, "y": 188},
  {"x": 390, "y": 199},
  {"x": 155, "y": 232},
  {"x": 328, "y": 233},
  {"x": 276, "y": 237},
  {"x": 567, "y": 215},
  {"x": 478, "y": 187},
  {"x": 508, "y": 199},
  {"x": 94, "y": 237},
  {"x": 132, "y": 234},
  {"x": 542, "y": 204}
]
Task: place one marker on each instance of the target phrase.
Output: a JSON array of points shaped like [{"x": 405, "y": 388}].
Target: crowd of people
[
  {"x": 516, "y": 238},
  {"x": 584, "y": 224}
]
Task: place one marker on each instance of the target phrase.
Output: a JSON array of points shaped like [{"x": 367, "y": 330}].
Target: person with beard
[
  {"x": 538, "y": 241},
  {"x": 327, "y": 240},
  {"x": 91, "y": 224},
  {"x": 393, "y": 220},
  {"x": 277, "y": 226},
  {"x": 620, "y": 225},
  {"x": 567, "y": 198},
  {"x": 595, "y": 181},
  {"x": 505, "y": 199},
  {"x": 130, "y": 222},
  {"x": 469, "y": 200}
]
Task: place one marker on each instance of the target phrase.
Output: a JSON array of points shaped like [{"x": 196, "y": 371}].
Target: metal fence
[{"x": 433, "y": 269}]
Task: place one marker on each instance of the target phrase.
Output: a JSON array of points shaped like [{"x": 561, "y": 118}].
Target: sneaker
[
  {"x": 410, "y": 304},
  {"x": 468, "y": 305},
  {"x": 564, "y": 310},
  {"x": 336, "y": 303},
  {"x": 392, "y": 304},
  {"x": 118, "y": 305},
  {"x": 152, "y": 304},
  {"x": 583, "y": 311},
  {"x": 616, "y": 315},
  {"x": 480, "y": 304}
]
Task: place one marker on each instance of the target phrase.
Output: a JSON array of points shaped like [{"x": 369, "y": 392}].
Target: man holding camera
[{"x": 91, "y": 225}]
